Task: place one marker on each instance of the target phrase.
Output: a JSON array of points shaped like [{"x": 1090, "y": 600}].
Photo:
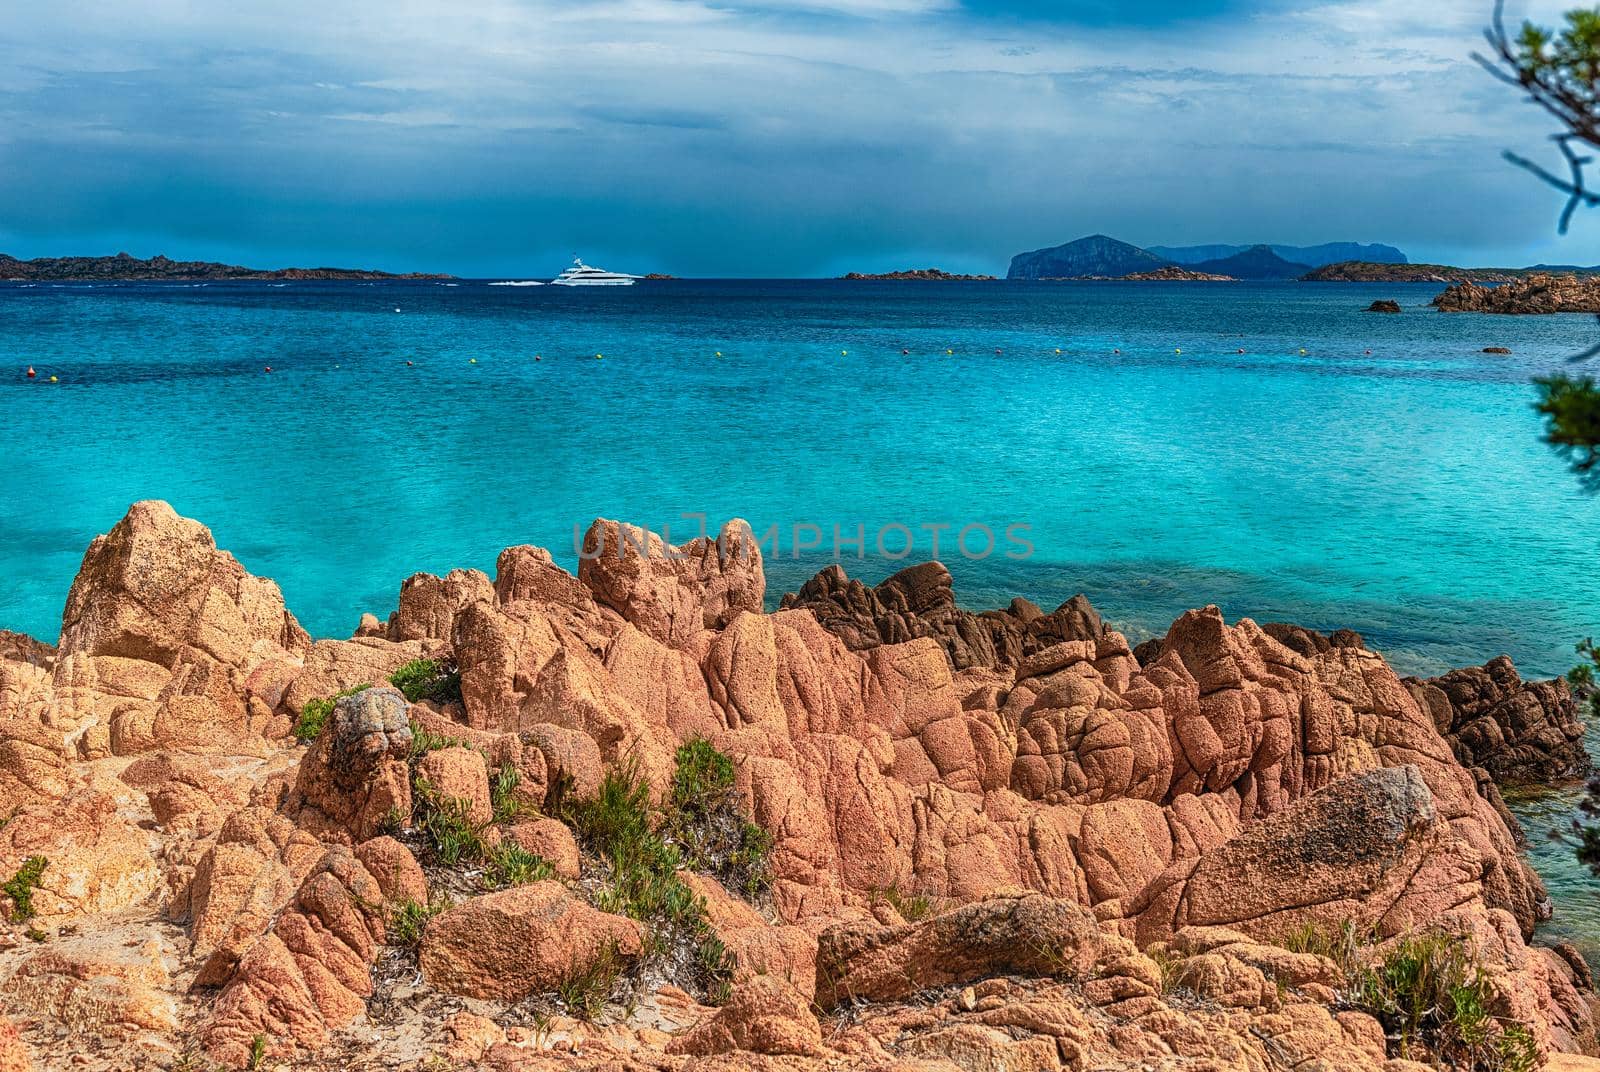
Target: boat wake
[{"x": 517, "y": 283}]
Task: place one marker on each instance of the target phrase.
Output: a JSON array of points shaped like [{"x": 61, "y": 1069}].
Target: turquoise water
[{"x": 1403, "y": 493}]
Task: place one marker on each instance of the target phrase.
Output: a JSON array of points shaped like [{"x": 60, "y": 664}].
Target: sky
[{"x": 760, "y": 137}]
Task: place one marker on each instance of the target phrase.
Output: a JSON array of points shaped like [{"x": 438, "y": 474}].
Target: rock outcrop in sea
[
  {"x": 628, "y": 820},
  {"x": 1538, "y": 293}
]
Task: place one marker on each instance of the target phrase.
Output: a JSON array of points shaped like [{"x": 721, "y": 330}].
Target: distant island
[
  {"x": 1173, "y": 274},
  {"x": 918, "y": 274},
  {"x": 1104, "y": 257},
  {"x": 126, "y": 268}
]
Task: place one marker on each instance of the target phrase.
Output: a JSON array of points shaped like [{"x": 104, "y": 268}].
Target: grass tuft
[
  {"x": 315, "y": 714},
  {"x": 408, "y": 921},
  {"x": 1430, "y": 994},
  {"x": 913, "y": 907},
  {"x": 587, "y": 989},
  {"x": 510, "y": 864},
  {"x": 446, "y": 824},
  {"x": 706, "y": 819},
  {"x": 436, "y": 680},
  {"x": 503, "y": 793},
  {"x": 21, "y": 885}
]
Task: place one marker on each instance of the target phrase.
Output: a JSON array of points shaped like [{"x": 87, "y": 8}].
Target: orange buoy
[{"x": 31, "y": 373}]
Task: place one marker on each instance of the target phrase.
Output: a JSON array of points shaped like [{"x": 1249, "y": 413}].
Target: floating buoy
[
  {"x": 267, "y": 369},
  {"x": 397, "y": 308},
  {"x": 1178, "y": 351},
  {"x": 536, "y": 357},
  {"x": 997, "y": 349},
  {"x": 31, "y": 373},
  {"x": 1058, "y": 349},
  {"x": 472, "y": 361},
  {"x": 1369, "y": 351},
  {"x": 949, "y": 351},
  {"x": 408, "y": 364},
  {"x": 1116, "y": 351},
  {"x": 597, "y": 357},
  {"x": 719, "y": 353},
  {"x": 1240, "y": 350},
  {"x": 53, "y": 379},
  {"x": 1302, "y": 351},
  {"x": 904, "y": 352},
  {"x": 844, "y": 353}
]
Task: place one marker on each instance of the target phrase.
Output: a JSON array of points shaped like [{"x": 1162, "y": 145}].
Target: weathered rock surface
[
  {"x": 764, "y": 1015},
  {"x": 919, "y": 601},
  {"x": 1519, "y": 731}
]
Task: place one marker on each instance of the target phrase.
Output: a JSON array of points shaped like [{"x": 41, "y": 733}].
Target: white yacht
[{"x": 581, "y": 275}]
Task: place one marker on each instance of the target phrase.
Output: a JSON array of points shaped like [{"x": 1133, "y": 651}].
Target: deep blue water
[{"x": 1402, "y": 492}]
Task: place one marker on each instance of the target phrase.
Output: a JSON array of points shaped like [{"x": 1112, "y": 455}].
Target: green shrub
[
  {"x": 409, "y": 919},
  {"x": 314, "y": 715},
  {"x": 1434, "y": 1000},
  {"x": 510, "y": 864},
  {"x": 258, "y": 1052},
  {"x": 21, "y": 885},
  {"x": 503, "y": 793},
  {"x": 706, "y": 820},
  {"x": 437, "y": 680}
]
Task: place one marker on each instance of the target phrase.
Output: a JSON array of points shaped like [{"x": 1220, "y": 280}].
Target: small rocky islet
[{"x": 626, "y": 819}]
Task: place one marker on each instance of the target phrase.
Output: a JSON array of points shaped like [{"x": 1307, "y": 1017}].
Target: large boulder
[
  {"x": 673, "y": 593},
  {"x": 157, "y": 589},
  {"x": 310, "y": 974},
  {"x": 763, "y": 1015},
  {"x": 1029, "y": 935},
  {"x": 1370, "y": 849},
  {"x": 527, "y": 940},
  {"x": 355, "y": 777}
]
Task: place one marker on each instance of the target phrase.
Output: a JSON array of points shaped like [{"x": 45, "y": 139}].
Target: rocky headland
[
  {"x": 1535, "y": 294},
  {"x": 625, "y": 819},
  {"x": 126, "y": 268},
  {"x": 919, "y": 275}
]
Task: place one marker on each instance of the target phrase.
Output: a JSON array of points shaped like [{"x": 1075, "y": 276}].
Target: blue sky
[{"x": 725, "y": 137}]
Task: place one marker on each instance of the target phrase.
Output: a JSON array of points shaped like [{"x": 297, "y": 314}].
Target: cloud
[{"x": 740, "y": 137}]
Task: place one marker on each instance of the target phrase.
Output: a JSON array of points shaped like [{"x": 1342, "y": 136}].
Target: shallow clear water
[{"x": 1403, "y": 493}]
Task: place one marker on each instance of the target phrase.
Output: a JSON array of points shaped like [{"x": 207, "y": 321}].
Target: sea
[{"x": 1268, "y": 447}]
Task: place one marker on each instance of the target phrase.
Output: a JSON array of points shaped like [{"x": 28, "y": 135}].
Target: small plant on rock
[
  {"x": 447, "y": 825},
  {"x": 512, "y": 865},
  {"x": 587, "y": 989},
  {"x": 315, "y": 714},
  {"x": 424, "y": 740},
  {"x": 409, "y": 919},
  {"x": 503, "y": 793},
  {"x": 436, "y": 680},
  {"x": 258, "y": 1052},
  {"x": 21, "y": 885},
  {"x": 913, "y": 907}
]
